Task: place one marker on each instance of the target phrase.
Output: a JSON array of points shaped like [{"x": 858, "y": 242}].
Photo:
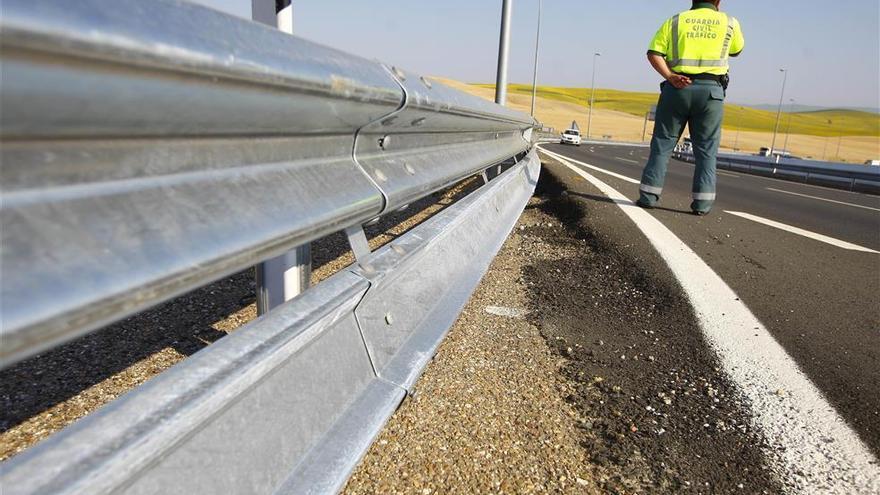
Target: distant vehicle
[
  {"x": 571, "y": 136},
  {"x": 873, "y": 163},
  {"x": 769, "y": 152},
  {"x": 686, "y": 146}
]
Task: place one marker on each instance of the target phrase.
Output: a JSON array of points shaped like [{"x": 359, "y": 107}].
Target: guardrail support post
[
  {"x": 357, "y": 239},
  {"x": 503, "y": 54},
  {"x": 283, "y": 278}
]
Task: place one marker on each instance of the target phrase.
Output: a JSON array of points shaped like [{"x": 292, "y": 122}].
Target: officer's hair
[{"x": 695, "y": 2}]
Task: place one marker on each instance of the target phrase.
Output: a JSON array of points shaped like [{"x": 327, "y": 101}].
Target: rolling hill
[{"x": 824, "y": 123}]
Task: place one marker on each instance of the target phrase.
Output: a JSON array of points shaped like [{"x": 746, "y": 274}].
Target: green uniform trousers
[{"x": 701, "y": 107}]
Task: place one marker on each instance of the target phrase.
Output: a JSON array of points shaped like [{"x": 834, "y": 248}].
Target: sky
[{"x": 831, "y": 49}]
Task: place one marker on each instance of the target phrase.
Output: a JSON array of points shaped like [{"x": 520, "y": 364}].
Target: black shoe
[
  {"x": 701, "y": 213},
  {"x": 644, "y": 205}
]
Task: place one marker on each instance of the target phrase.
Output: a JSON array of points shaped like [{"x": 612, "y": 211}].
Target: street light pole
[
  {"x": 779, "y": 111},
  {"x": 827, "y": 138},
  {"x": 592, "y": 96},
  {"x": 503, "y": 54},
  {"x": 537, "y": 45},
  {"x": 788, "y": 127}
]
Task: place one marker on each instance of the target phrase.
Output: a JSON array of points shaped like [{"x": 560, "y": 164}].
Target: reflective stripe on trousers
[{"x": 650, "y": 189}]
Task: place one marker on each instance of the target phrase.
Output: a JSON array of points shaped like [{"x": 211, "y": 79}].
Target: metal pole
[
  {"x": 779, "y": 111},
  {"x": 827, "y": 138},
  {"x": 264, "y": 12},
  {"x": 537, "y": 45},
  {"x": 284, "y": 13},
  {"x": 839, "y": 142},
  {"x": 503, "y": 54},
  {"x": 282, "y": 278},
  {"x": 592, "y": 96},
  {"x": 645, "y": 128},
  {"x": 788, "y": 127}
]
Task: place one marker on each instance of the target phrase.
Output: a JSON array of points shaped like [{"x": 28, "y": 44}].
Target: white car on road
[{"x": 571, "y": 136}]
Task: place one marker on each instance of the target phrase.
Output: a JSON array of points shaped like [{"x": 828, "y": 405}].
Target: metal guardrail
[
  {"x": 290, "y": 402},
  {"x": 150, "y": 147},
  {"x": 857, "y": 178}
]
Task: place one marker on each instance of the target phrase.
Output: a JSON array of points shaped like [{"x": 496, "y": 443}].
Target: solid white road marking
[
  {"x": 816, "y": 449},
  {"x": 805, "y": 233},
  {"x": 822, "y": 199},
  {"x": 625, "y": 160},
  {"x": 727, "y": 174},
  {"x": 811, "y": 186},
  {"x": 597, "y": 169},
  {"x": 777, "y": 180}
]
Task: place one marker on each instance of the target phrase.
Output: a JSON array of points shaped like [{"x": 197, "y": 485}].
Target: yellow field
[
  {"x": 619, "y": 116},
  {"x": 831, "y": 123}
]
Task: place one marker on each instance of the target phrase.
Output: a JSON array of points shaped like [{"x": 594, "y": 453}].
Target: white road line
[
  {"x": 777, "y": 180},
  {"x": 625, "y": 160},
  {"x": 812, "y": 186},
  {"x": 597, "y": 169},
  {"x": 814, "y": 448},
  {"x": 805, "y": 233},
  {"x": 822, "y": 199},
  {"x": 727, "y": 174}
]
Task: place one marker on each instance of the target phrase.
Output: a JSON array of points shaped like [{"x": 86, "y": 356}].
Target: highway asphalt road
[{"x": 803, "y": 259}]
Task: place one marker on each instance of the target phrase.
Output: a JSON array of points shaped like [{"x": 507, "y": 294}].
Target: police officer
[{"x": 691, "y": 52}]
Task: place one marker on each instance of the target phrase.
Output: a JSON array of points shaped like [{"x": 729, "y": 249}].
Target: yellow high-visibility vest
[{"x": 699, "y": 41}]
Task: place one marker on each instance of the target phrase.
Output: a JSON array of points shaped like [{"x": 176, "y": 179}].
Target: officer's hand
[{"x": 679, "y": 81}]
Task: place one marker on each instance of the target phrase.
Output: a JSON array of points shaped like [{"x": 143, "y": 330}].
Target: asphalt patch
[{"x": 661, "y": 417}]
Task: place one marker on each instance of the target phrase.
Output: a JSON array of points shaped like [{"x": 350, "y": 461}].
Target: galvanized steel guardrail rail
[
  {"x": 859, "y": 178},
  {"x": 150, "y": 147}
]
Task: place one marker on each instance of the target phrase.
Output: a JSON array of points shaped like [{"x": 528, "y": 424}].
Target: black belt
[{"x": 706, "y": 77}]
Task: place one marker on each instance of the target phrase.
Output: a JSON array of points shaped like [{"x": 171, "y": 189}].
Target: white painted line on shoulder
[
  {"x": 823, "y": 199},
  {"x": 802, "y": 232},
  {"x": 625, "y": 160},
  {"x": 777, "y": 180},
  {"x": 812, "y": 186},
  {"x": 591, "y": 167},
  {"x": 814, "y": 447},
  {"x": 728, "y": 174}
]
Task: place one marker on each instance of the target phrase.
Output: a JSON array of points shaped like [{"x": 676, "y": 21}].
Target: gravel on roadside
[{"x": 489, "y": 415}]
